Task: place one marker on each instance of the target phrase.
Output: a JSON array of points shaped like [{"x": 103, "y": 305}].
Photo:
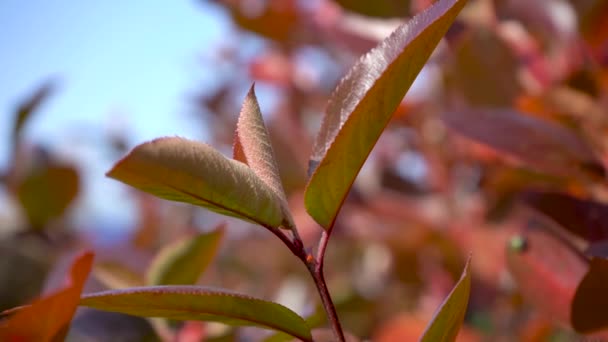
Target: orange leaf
[{"x": 48, "y": 318}]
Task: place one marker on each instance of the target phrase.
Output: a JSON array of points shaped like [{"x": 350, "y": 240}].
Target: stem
[
  {"x": 316, "y": 271},
  {"x": 315, "y": 267}
]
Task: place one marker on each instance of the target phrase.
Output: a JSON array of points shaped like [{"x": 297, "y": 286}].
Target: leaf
[
  {"x": 546, "y": 272},
  {"x": 116, "y": 276},
  {"x": 590, "y": 301},
  {"x": 199, "y": 303},
  {"x": 585, "y": 218},
  {"x": 29, "y": 106},
  {"x": 182, "y": 262},
  {"x": 252, "y": 146},
  {"x": 188, "y": 171},
  {"x": 363, "y": 103},
  {"x": 541, "y": 144},
  {"x": 449, "y": 317},
  {"x": 46, "y": 192},
  {"x": 48, "y": 318}
]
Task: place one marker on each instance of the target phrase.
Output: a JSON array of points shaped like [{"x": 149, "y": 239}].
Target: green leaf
[
  {"x": 252, "y": 146},
  {"x": 188, "y": 171},
  {"x": 116, "y": 276},
  {"x": 182, "y": 262},
  {"x": 200, "y": 303},
  {"x": 363, "y": 103},
  {"x": 450, "y": 315},
  {"x": 590, "y": 301}
]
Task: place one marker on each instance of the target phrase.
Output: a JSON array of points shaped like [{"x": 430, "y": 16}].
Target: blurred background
[{"x": 510, "y": 109}]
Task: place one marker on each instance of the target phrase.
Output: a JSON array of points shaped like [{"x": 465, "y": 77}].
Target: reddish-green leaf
[
  {"x": 546, "y": 272},
  {"x": 541, "y": 144},
  {"x": 450, "y": 315},
  {"x": 188, "y": 171},
  {"x": 363, "y": 103},
  {"x": 183, "y": 262},
  {"x": 585, "y": 218},
  {"x": 252, "y": 146},
  {"x": 48, "y": 318},
  {"x": 589, "y": 312},
  {"x": 382, "y": 8},
  {"x": 200, "y": 303},
  {"x": 117, "y": 276}
]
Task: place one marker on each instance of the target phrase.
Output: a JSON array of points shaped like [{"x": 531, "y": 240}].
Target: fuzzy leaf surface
[
  {"x": 182, "y": 170},
  {"x": 252, "y": 146},
  {"x": 363, "y": 103},
  {"x": 200, "y": 303}
]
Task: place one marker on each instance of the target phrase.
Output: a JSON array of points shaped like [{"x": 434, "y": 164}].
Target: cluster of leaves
[{"x": 509, "y": 137}]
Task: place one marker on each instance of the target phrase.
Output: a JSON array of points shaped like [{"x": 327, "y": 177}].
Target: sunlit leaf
[
  {"x": 450, "y": 315},
  {"x": 183, "y": 262},
  {"x": 48, "y": 318},
  {"x": 252, "y": 146},
  {"x": 117, "y": 276},
  {"x": 46, "y": 191},
  {"x": 543, "y": 145},
  {"x": 200, "y": 303},
  {"x": 546, "y": 272},
  {"x": 188, "y": 171},
  {"x": 585, "y": 218},
  {"x": 590, "y": 301},
  {"x": 363, "y": 103}
]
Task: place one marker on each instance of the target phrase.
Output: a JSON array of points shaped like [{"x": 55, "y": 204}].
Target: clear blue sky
[{"x": 131, "y": 63}]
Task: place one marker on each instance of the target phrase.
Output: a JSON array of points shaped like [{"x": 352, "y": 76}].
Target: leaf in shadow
[
  {"x": 252, "y": 146},
  {"x": 182, "y": 170},
  {"x": 449, "y": 317},
  {"x": 48, "y": 318},
  {"x": 542, "y": 145},
  {"x": 182, "y": 262},
  {"x": 585, "y": 218},
  {"x": 200, "y": 303},
  {"x": 590, "y": 301},
  {"x": 362, "y": 105}
]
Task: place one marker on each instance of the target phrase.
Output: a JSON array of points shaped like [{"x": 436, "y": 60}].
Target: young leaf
[
  {"x": 116, "y": 276},
  {"x": 589, "y": 305},
  {"x": 252, "y": 146},
  {"x": 541, "y": 144},
  {"x": 182, "y": 262},
  {"x": 188, "y": 171},
  {"x": 585, "y": 218},
  {"x": 363, "y": 103},
  {"x": 200, "y": 303},
  {"x": 450, "y": 315},
  {"x": 31, "y": 105},
  {"x": 48, "y": 318}
]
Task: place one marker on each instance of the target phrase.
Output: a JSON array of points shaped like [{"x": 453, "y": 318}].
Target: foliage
[{"x": 497, "y": 152}]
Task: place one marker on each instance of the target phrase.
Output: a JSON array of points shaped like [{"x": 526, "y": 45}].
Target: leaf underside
[{"x": 182, "y": 170}]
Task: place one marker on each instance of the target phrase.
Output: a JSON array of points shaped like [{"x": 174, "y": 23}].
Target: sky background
[{"x": 119, "y": 65}]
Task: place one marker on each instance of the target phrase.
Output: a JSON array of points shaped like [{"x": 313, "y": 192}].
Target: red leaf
[{"x": 48, "y": 318}]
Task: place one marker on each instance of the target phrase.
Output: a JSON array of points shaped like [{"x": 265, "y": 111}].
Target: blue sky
[{"x": 119, "y": 64}]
